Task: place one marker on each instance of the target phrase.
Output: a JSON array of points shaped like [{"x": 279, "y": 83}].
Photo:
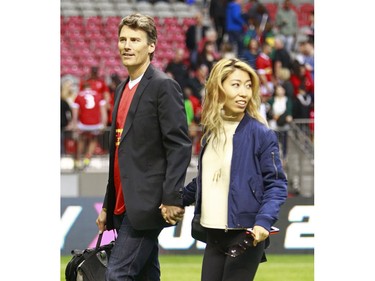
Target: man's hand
[
  {"x": 172, "y": 214},
  {"x": 101, "y": 221}
]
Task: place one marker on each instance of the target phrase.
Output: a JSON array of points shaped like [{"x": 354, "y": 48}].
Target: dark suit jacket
[{"x": 154, "y": 151}]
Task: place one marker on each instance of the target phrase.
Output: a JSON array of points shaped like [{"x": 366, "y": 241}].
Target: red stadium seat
[
  {"x": 272, "y": 9},
  {"x": 304, "y": 12}
]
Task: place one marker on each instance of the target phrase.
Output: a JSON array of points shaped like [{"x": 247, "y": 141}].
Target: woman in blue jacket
[{"x": 240, "y": 183}]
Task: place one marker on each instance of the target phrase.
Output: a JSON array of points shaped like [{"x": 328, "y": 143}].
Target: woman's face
[
  {"x": 280, "y": 91},
  {"x": 238, "y": 92}
]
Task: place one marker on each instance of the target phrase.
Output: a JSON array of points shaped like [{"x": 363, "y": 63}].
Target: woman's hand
[{"x": 259, "y": 234}]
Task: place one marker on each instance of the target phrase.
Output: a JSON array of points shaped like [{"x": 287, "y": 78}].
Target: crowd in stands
[{"x": 270, "y": 37}]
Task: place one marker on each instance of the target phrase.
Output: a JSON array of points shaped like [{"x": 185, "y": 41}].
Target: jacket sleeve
[
  {"x": 274, "y": 181},
  {"x": 176, "y": 140},
  {"x": 190, "y": 192}
]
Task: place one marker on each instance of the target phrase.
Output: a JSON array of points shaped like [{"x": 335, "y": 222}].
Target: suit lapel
[{"x": 137, "y": 96}]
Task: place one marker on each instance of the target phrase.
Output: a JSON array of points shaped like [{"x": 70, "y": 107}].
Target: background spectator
[
  {"x": 208, "y": 56},
  {"x": 280, "y": 115},
  {"x": 197, "y": 81},
  {"x": 235, "y": 25},
  {"x": 89, "y": 120},
  {"x": 177, "y": 69},
  {"x": 301, "y": 77},
  {"x": 115, "y": 80},
  {"x": 283, "y": 79},
  {"x": 251, "y": 53},
  {"x": 281, "y": 57},
  {"x": 217, "y": 14},
  {"x": 306, "y": 50},
  {"x": 286, "y": 22},
  {"x": 194, "y": 34},
  {"x": 65, "y": 119},
  {"x": 263, "y": 65}
]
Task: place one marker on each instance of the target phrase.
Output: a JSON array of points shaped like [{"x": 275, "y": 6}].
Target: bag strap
[{"x": 99, "y": 240}]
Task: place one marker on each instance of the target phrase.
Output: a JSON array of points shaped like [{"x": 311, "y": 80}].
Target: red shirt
[
  {"x": 96, "y": 84},
  {"x": 89, "y": 103},
  {"x": 263, "y": 65},
  {"x": 309, "y": 83},
  {"x": 122, "y": 112}
]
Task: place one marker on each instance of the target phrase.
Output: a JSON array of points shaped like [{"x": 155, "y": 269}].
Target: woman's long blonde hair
[{"x": 215, "y": 97}]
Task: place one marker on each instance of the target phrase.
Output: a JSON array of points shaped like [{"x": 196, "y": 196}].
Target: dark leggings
[{"x": 217, "y": 266}]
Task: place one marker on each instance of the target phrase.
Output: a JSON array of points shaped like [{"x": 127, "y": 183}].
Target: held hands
[
  {"x": 259, "y": 234},
  {"x": 172, "y": 214}
]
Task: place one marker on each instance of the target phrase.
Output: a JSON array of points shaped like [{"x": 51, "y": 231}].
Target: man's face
[{"x": 134, "y": 48}]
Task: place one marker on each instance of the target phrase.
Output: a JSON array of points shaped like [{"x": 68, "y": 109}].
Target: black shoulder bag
[{"x": 89, "y": 264}]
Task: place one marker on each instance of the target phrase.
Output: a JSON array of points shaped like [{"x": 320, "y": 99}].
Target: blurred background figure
[
  {"x": 281, "y": 57},
  {"x": 66, "y": 113},
  {"x": 114, "y": 82},
  {"x": 194, "y": 34},
  {"x": 235, "y": 25},
  {"x": 306, "y": 53},
  {"x": 177, "y": 69},
  {"x": 98, "y": 84},
  {"x": 208, "y": 55},
  {"x": 251, "y": 53},
  {"x": 263, "y": 65},
  {"x": 217, "y": 14},
  {"x": 280, "y": 116},
  {"x": 89, "y": 121},
  {"x": 286, "y": 22}
]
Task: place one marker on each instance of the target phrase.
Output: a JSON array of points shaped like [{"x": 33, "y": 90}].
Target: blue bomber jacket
[{"x": 258, "y": 185}]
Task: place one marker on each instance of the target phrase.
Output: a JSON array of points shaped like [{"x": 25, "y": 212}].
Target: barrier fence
[{"x": 79, "y": 231}]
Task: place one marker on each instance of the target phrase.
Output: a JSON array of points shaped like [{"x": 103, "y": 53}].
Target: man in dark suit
[{"x": 150, "y": 150}]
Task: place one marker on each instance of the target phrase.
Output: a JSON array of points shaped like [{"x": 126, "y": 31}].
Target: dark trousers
[
  {"x": 217, "y": 266},
  {"x": 135, "y": 255},
  {"x": 236, "y": 39}
]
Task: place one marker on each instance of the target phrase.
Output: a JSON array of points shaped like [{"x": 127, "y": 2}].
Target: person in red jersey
[
  {"x": 89, "y": 121},
  {"x": 97, "y": 83},
  {"x": 263, "y": 66},
  {"x": 149, "y": 154}
]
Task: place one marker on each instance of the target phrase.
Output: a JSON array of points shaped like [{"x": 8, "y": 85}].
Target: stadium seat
[
  {"x": 183, "y": 14},
  {"x": 140, "y": 5},
  {"x": 95, "y": 21},
  {"x": 125, "y": 7},
  {"x": 70, "y": 12},
  {"x": 171, "y": 22},
  {"x": 68, "y": 6},
  {"x": 73, "y": 20},
  {"x": 105, "y": 5},
  {"x": 108, "y": 13},
  {"x": 112, "y": 21},
  {"x": 272, "y": 9},
  {"x": 90, "y": 37},
  {"x": 86, "y": 5},
  {"x": 180, "y": 6},
  {"x": 89, "y": 13},
  {"x": 164, "y": 14},
  {"x": 304, "y": 13},
  {"x": 162, "y": 6}
]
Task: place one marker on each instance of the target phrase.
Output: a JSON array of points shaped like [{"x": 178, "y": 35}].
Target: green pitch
[{"x": 188, "y": 268}]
